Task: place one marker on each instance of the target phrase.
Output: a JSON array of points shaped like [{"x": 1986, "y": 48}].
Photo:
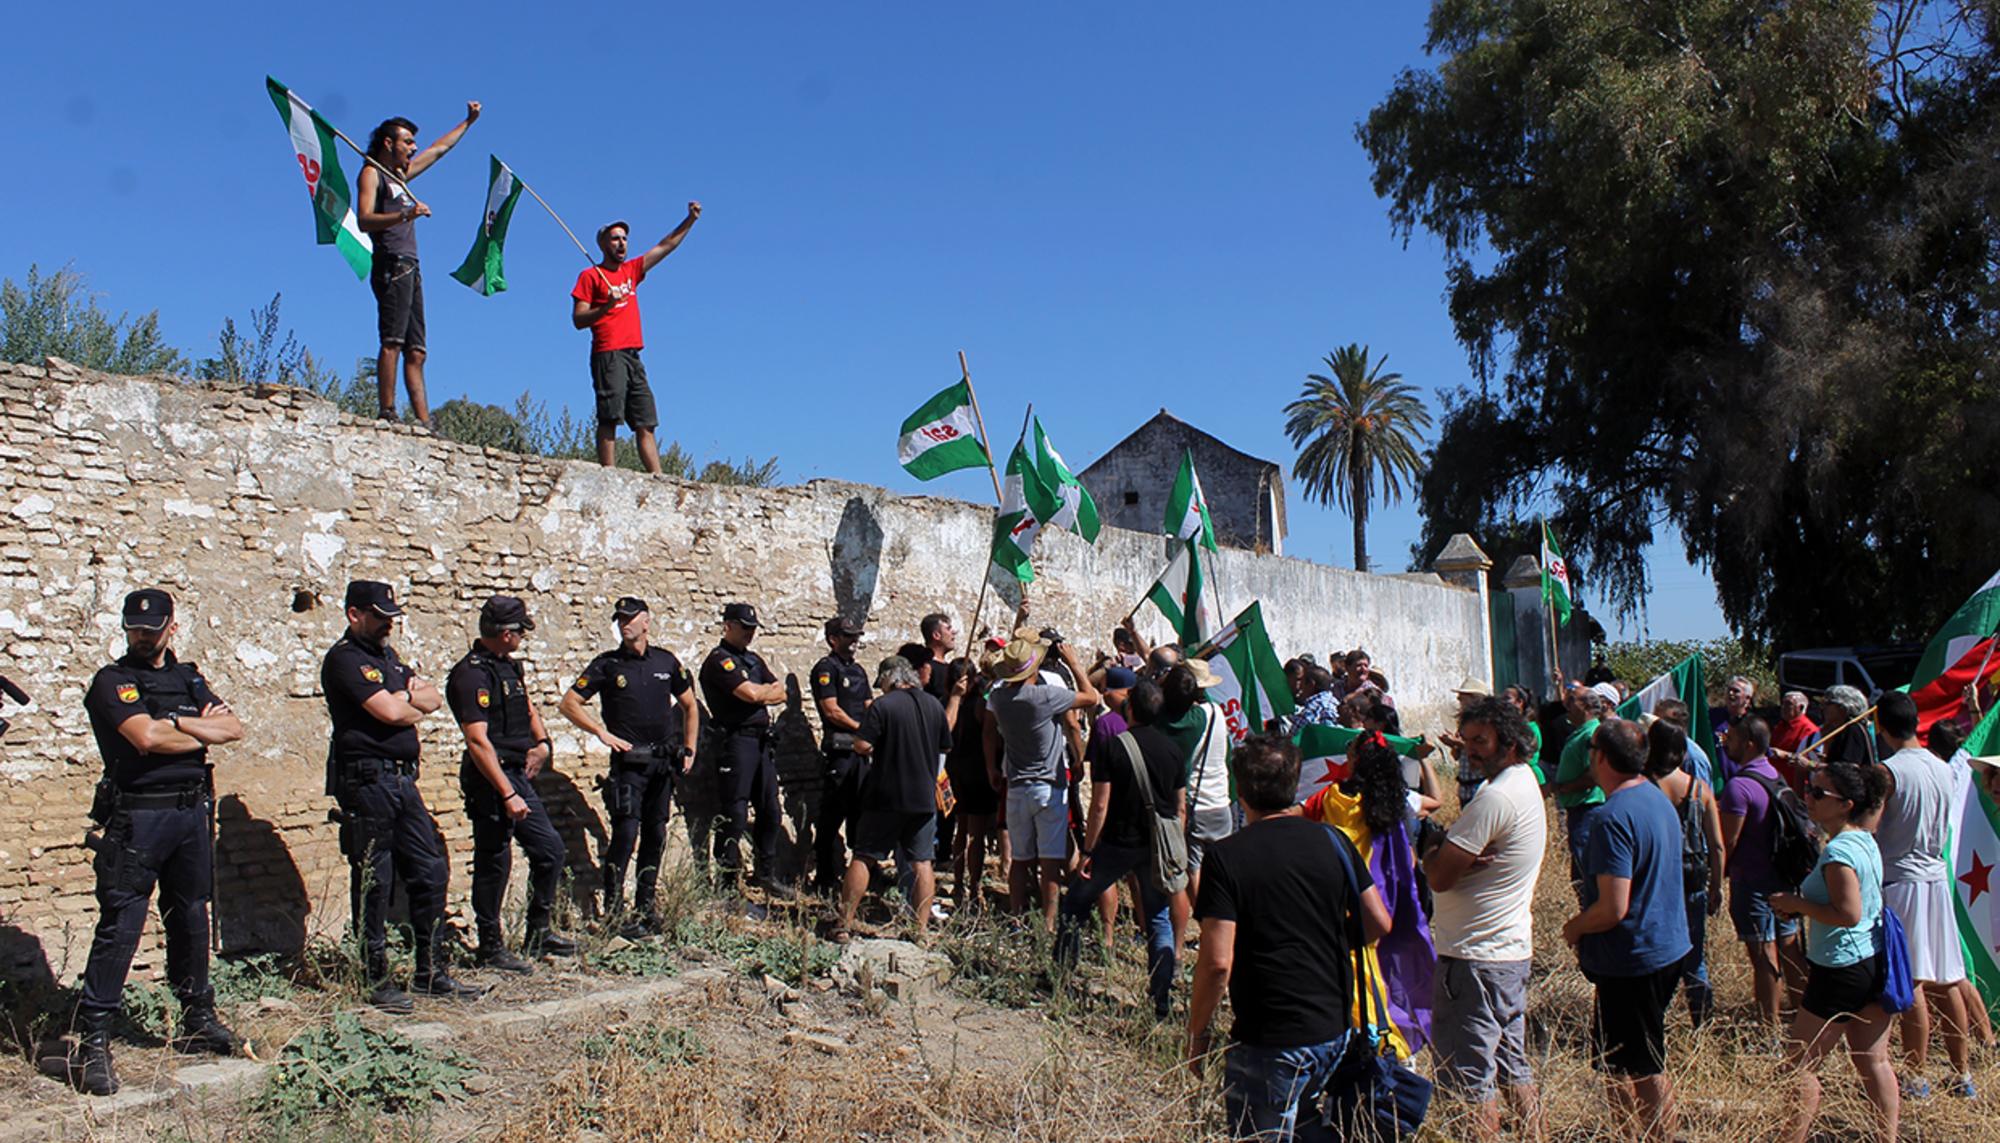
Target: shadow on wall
[
  {"x": 34, "y": 1012},
  {"x": 855, "y": 559},
  {"x": 262, "y": 903},
  {"x": 581, "y": 828},
  {"x": 797, "y": 755}
]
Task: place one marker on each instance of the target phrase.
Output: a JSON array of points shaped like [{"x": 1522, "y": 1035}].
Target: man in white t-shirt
[{"x": 1482, "y": 873}]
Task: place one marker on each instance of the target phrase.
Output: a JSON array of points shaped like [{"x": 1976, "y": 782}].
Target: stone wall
[{"x": 255, "y": 508}]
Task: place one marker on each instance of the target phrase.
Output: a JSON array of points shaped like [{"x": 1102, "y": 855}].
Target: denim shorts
[
  {"x": 1276, "y": 1093},
  {"x": 1756, "y": 923},
  {"x": 1038, "y": 821}
]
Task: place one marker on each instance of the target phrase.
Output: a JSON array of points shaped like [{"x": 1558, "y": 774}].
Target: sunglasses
[{"x": 1816, "y": 793}]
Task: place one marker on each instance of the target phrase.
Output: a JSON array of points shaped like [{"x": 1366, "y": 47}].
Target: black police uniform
[
  {"x": 385, "y": 827},
  {"x": 843, "y": 680},
  {"x": 641, "y": 695},
  {"x": 485, "y": 687},
  {"x": 156, "y": 832},
  {"x": 746, "y": 768}
]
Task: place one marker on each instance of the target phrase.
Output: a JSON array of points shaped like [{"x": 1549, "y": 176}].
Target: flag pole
[
  {"x": 999, "y": 497},
  {"x": 1827, "y": 736},
  {"x": 565, "y": 228}
]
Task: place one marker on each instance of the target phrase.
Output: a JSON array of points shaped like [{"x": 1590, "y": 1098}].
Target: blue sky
[{"x": 1111, "y": 209}]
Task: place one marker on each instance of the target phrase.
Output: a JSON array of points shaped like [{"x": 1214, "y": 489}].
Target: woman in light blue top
[{"x": 1843, "y": 899}]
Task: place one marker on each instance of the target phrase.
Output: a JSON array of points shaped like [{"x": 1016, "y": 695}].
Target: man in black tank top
[{"x": 387, "y": 212}]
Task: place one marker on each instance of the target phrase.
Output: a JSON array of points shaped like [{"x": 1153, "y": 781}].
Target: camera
[{"x": 1052, "y": 637}]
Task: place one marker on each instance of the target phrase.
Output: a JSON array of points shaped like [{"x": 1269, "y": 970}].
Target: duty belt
[
  {"x": 178, "y": 797},
  {"x": 370, "y": 769}
]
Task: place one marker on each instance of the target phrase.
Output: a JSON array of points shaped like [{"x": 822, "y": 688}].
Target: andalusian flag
[
  {"x": 1976, "y": 619},
  {"x": 1323, "y": 754},
  {"x": 1253, "y": 689},
  {"x": 1555, "y": 576},
  {"x": 1025, "y": 506},
  {"x": 1975, "y": 848},
  {"x": 481, "y": 268},
  {"x": 1187, "y": 508},
  {"x": 1075, "y": 510},
  {"x": 942, "y": 436},
  {"x": 1178, "y": 595},
  {"x": 1685, "y": 683},
  {"x": 319, "y": 161}
]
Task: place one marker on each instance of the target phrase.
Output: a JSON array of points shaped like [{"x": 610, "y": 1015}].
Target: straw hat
[
  {"x": 1475, "y": 686},
  {"x": 1021, "y": 658},
  {"x": 1203, "y": 675}
]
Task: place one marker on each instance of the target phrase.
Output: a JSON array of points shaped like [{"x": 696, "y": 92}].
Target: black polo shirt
[
  {"x": 640, "y": 693},
  {"x": 844, "y": 681},
  {"x": 354, "y": 671},
  {"x": 724, "y": 668},
  {"x": 134, "y": 686},
  {"x": 485, "y": 687},
  {"x": 907, "y": 729}
]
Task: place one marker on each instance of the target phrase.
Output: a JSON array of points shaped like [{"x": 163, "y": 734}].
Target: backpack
[
  {"x": 1794, "y": 839},
  {"x": 1167, "y": 872},
  {"x": 1695, "y": 855}
]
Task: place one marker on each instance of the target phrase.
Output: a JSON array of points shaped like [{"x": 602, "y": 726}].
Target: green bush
[
  {"x": 1640, "y": 663},
  {"x": 345, "y": 1069}
]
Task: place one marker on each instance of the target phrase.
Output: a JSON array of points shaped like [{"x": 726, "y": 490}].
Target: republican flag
[
  {"x": 942, "y": 435},
  {"x": 482, "y": 267},
  {"x": 1943, "y": 698},
  {"x": 313, "y": 142}
]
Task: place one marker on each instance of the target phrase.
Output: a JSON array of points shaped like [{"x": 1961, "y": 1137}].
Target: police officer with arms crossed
[
  {"x": 154, "y": 718},
  {"x": 641, "y": 684},
  {"x": 375, "y": 701},
  {"x": 840, "y": 690},
  {"x": 739, "y": 687},
  {"x": 505, "y": 747}
]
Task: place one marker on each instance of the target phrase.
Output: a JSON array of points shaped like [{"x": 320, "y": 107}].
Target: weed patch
[{"x": 343, "y": 1070}]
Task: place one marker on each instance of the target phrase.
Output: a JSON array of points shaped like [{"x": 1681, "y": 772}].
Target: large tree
[
  {"x": 1725, "y": 265},
  {"x": 1357, "y": 436}
]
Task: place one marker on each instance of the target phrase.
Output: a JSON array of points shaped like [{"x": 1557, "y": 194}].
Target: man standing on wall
[
  {"x": 154, "y": 718},
  {"x": 608, "y": 306},
  {"x": 388, "y": 213}
]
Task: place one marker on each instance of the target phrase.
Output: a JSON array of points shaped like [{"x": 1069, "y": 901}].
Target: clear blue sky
[{"x": 1111, "y": 209}]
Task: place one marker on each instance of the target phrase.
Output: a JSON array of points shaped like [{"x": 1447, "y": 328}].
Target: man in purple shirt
[
  {"x": 1104, "y": 732},
  {"x": 1771, "y": 941}
]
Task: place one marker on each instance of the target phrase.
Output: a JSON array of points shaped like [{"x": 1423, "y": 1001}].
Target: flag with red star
[{"x": 1974, "y": 850}]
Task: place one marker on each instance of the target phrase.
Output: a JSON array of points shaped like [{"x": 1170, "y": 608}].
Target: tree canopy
[
  {"x": 1358, "y": 434},
  {"x": 1724, "y": 265}
]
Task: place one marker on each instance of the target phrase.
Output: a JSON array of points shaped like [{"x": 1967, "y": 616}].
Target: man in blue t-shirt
[{"x": 1632, "y": 934}]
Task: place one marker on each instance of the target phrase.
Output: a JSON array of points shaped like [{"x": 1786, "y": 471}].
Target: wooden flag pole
[
  {"x": 1827, "y": 736},
  {"x": 999, "y": 497}
]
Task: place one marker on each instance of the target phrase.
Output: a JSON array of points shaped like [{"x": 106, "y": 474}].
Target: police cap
[
  {"x": 503, "y": 612},
  {"x": 628, "y": 606},
  {"x": 149, "y": 608},
  {"x": 740, "y": 613},
  {"x": 375, "y": 596}
]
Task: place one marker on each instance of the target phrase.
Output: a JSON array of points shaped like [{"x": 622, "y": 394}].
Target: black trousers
[
  {"x": 389, "y": 832},
  {"x": 493, "y": 837},
  {"x": 638, "y": 800},
  {"x": 839, "y": 806},
  {"x": 746, "y": 778},
  {"x": 143, "y": 848}
]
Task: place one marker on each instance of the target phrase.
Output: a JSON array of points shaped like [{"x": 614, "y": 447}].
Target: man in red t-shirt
[{"x": 607, "y": 307}]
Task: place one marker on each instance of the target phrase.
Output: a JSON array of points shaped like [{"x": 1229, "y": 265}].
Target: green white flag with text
[
  {"x": 1555, "y": 576},
  {"x": 481, "y": 269},
  {"x": 1253, "y": 689},
  {"x": 318, "y": 157},
  {"x": 1025, "y": 506},
  {"x": 1187, "y": 508},
  {"x": 942, "y": 436},
  {"x": 1075, "y": 510}
]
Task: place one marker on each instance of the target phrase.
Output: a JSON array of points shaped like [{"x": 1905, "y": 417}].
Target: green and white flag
[
  {"x": 1025, "y": 507},
  {"x": 319, "y": 161},
  {"x": 481, "y": 269},
  {"x": 942, "y": 436},
  {"x": 1976, "y": 619},
  {"x": 1075, "y": 510},
  {"x": 1975, "y": 851},
  {"x": 1253, "y": 689},
  {"x": 1323, "y": 754},
  {"x": 1555, "y": 576},
  {"x": 1187, "y": 508},
  {"x": 1683, "y": 682},
  {"x": 1178, "y": 595}
]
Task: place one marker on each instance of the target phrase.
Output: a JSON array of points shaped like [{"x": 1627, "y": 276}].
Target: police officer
[
  {"x": 375, "y": 702},
  {"x": 154, "y": 718},
  {"x": 840, "y": 690},
  {"x": 739, "y": 688},
  {"x": 505, "y": 747},
  {"x": 651, "y": 745}
]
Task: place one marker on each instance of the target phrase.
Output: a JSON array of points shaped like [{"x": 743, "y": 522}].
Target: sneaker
[
  {"x": 388, "y": 998},
  {"x": 548, "y": 944},
  {"x": 500, "y": 958},
  {"x": 91, "y": 1065},
  {"x": 1961, "y": 1088},
  {"x": 440, "y": 983},
  {"x": 1916, "y": 1088}
]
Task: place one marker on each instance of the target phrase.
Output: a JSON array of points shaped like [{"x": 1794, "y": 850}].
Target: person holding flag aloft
[
  {"x": 387, "y": 210},
  {"x": 607, "y": 306}
]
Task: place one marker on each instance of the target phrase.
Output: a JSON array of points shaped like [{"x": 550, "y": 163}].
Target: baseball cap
[
  {"x": 740, "y": 613},
  {"x": 1607, "y": 692},
  {"x": 149, "y": 608},
  {"x": 373, "y": 595},
  {"x": 628, "y": 606},
  {"x": 604, "y": 231},
  {"x": 1120, "y": 678},
  {"x": 504, "y": 611},
  {"x": 840, "y": 626}
]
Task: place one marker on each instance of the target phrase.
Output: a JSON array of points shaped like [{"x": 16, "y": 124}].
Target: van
[{"x": 1870, "y": 670}]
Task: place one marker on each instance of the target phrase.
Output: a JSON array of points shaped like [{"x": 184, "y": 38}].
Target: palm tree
[{"x": 1357, "y": 433}]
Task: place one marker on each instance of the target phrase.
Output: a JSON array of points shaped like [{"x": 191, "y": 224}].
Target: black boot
[
  {"x": 203, "y": 1031},
  {"x": 90, "y": 1064},
  {"x": 542, "y": 942}
]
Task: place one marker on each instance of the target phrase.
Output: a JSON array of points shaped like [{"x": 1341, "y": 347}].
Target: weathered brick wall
[{"x": 255, "y": 509}]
